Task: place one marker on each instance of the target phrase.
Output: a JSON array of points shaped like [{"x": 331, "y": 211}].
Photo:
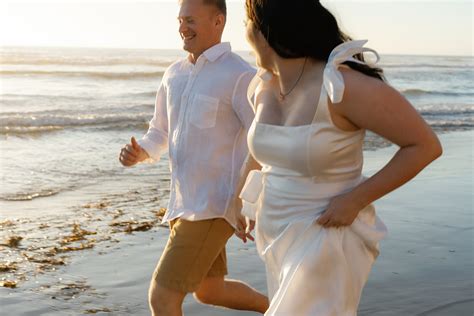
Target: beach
[
  {"x": 425, "y": 265},
  {"x": 81, "y": 234}
]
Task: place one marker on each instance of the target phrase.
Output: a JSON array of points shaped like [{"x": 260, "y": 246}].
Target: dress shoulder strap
[
  {"x": 261, "y": 75},
  {"x": 333, "y": 82},
  {"x": 332, "y": 78}
]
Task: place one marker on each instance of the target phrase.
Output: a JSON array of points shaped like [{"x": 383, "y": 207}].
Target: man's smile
[{"x": 187, "y": 38}]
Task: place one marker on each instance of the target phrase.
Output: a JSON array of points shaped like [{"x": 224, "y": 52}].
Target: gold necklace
[{"x": 284, "y": 95}]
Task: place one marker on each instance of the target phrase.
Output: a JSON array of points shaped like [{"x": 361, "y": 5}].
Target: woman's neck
[
  {"x": 291, "y": 72},
  {"x": 287, "y": 71}
]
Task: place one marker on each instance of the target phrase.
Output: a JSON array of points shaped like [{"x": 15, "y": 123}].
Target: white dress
[{"x": 311, "y": 270}]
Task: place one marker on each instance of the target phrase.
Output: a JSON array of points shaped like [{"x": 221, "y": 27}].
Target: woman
[{"x": 316, "y": 228}]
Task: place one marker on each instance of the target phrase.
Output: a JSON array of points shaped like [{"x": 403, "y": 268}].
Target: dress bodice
[{"x": 320, "y": 150}]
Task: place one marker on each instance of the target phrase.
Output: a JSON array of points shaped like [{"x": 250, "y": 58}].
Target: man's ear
[{"x": 220, "y": 19}]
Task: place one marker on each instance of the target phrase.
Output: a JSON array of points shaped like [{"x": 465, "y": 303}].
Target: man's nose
[{"x": 182, "y": 27}]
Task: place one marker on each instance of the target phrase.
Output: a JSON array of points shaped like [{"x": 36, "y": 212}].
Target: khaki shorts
[{"x": 195, "y": 249}]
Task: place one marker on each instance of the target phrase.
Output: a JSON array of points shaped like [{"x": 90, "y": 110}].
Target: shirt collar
[{"x": 217, "y": 51}]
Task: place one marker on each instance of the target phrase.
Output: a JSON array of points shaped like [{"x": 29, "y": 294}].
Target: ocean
[{"x": 66, "y": 112}]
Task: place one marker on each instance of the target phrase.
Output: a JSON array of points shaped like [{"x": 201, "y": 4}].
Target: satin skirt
[{"x": 311, "y": 270}]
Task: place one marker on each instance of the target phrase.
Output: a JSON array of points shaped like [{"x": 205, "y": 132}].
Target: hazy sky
[{"x": 392, "y": 26}]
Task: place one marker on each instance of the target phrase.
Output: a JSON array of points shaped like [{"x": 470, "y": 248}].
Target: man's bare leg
[
  {"x": 232, "y": 294},
  {"x": 164, "y": 301}
]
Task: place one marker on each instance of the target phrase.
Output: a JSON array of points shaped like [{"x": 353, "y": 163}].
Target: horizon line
[{"x": 181, "y": 50}]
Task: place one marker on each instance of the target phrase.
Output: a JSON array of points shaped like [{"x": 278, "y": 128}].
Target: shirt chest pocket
[{"x": 204, "y": 111}]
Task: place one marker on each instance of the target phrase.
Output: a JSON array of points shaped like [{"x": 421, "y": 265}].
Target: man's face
[{"x": 200, "y": 26}]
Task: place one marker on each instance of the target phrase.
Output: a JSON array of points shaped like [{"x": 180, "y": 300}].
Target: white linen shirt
[{"x": 202, "y": 116}]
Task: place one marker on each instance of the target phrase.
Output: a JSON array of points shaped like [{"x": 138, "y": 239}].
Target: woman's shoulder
[
  {"x": 359, "y": 86},
  {"x": 364, "y": 96},
  {"x": 352, "y": 76},
  {"x": 265, "y": 93}
]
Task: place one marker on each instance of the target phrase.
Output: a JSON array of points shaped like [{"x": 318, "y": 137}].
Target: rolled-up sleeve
[
  {"x": 240, "y": 102},
  {"x": 155, "y": 141}
]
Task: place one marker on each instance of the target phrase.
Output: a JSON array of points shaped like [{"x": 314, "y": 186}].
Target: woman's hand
[{"x": 342, "y": 211}]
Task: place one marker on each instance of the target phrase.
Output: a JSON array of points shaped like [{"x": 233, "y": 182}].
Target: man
[{"x": 201, "y": 116}]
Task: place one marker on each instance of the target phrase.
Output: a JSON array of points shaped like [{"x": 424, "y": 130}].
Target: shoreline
[{"x": 425, "y": 266}]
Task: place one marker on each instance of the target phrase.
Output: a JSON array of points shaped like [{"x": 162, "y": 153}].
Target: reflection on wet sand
[{"x": 29, "y": 248}]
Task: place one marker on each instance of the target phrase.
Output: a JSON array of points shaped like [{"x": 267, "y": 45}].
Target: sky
[{"x": 418, "y": 27}]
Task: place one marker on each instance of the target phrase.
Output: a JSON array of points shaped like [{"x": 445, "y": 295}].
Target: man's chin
[{"x": 187, "y": 48}]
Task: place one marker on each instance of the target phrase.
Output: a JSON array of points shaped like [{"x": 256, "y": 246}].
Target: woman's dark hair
[{"x": 302, "y": 28}]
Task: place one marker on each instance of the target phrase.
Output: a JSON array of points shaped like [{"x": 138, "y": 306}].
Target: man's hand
[
  {"x": 132, "y": 154},
  {"x": 244, "y": 225}
]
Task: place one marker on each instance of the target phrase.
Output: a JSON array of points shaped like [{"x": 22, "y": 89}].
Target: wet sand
[{"x": 96, "y": 256}]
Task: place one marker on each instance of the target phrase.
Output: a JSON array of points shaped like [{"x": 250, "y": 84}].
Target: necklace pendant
[{"x": 282, "y": 96}]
